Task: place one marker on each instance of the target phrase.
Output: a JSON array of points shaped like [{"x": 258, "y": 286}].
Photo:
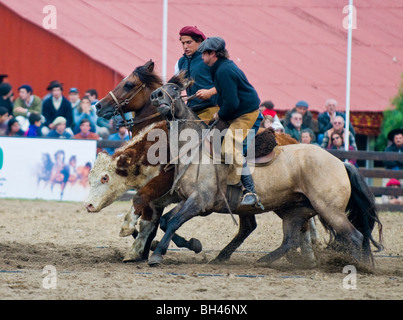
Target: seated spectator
[
  {"x": 396, "y": 138},
  {"x": 338, "y": 126},
  {"x": 302, "y": 108},
  {"x": 74, "y": 98},
  {"x": 59, "y": 129},
  {"x": 4, "y": 118},
  {"x": 308, "y": 136},
  {"x": 35, "y": 125},
  {"x": 121, "y": 135},
  {"x": 295, "y": 126},
  {"x": 84, "y": 111},
  {"x": 27, "y": 102},
  {"x": 104, "y": 126},
  {"x": 14, "y": 128},
  {"x": 325, "y": 119},
  {"x": 85, "y": 131},
  {"x": 394, "y": 183},
  {"x": 57, "y": 105},
  {"x": 337, "y": 143},
  {"x": 267, "y": 109},
  {"x": 6, "y": 94}
]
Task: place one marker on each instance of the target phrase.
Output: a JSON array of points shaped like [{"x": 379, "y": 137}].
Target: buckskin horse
[
  {"x": 132, "y": 94},
  {"x": 293, "y": 185}
]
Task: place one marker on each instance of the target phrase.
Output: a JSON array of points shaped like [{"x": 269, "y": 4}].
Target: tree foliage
[{"x": 392, "y": 119}]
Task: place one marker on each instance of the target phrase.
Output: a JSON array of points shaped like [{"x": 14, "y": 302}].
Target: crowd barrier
[{"x": 27, "y": 143}]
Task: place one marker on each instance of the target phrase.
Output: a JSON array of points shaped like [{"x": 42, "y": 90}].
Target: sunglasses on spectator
[{"x": 335, "y": 138}]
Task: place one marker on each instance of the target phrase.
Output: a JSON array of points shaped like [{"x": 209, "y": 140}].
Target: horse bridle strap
[{"x": 126, "y": 101}]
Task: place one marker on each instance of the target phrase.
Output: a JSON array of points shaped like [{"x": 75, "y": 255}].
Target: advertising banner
[{"x": 49, "y": 169}]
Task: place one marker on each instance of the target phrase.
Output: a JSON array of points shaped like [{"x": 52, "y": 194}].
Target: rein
[{"x": 199, "y": 145}]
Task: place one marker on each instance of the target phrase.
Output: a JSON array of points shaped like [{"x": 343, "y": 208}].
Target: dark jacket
[
  {"x": 50, "y": 113},
  {"x": 236, "y": 96},
  {"x": 201, "y": 74},
  {"x": 393, "y": 164},
  {"x": 324, "y": 122}
]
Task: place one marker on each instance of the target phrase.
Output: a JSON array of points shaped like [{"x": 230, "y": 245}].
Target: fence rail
[{"x": 342, "y": 155}]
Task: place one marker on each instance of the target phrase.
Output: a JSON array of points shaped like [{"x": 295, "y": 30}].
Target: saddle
[
  {"x": 265, "y": 143},
  {"x": 265, "y": 153}
]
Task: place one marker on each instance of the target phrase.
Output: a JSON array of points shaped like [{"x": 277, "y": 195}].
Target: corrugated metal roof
[{"x": 289, "y": 50}]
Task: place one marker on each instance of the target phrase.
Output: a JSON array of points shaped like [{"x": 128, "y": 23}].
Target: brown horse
[
  {"x": 132, "y": 95},
  {"x": 293, "y": 185}
]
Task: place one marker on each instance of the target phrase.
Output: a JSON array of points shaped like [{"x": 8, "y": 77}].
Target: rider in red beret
[{"x": 204, "y": 101}]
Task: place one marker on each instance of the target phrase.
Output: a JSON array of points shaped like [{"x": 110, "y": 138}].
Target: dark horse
[{"x": 293, "y": 185}]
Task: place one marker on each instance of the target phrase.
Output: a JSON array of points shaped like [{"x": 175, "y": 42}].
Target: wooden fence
[{"x": 365, "y": 172}]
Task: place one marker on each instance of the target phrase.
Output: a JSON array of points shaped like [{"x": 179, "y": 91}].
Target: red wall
[{"x": 32, "y": 55}]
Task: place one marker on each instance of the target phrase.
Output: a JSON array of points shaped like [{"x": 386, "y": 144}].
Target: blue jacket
[
  {"x": 236, "y": 96},
  {"x": 201, "y": 74}
]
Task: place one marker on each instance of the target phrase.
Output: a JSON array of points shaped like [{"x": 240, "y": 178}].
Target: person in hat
[
  {"x": 57, "y": 105},
  {"x": 307, "y": 117},
  {"x": 238, "y": 104},
  {"x": 6, "y": 93},
  {"x": 396, "y": 145},
  {"x": 59, "y": 129},
  {"x": 27, "y": 102},
  {"x": 74, "y": 98},
  {"x": 393, "y": 183},
  {"x": 204, "y": 101}
]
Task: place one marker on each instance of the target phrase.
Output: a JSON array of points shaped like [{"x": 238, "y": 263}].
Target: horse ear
[{"x": 149, "y": 66}]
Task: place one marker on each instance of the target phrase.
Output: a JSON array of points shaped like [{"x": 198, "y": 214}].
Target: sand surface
[{"x": 56, "y": 250}]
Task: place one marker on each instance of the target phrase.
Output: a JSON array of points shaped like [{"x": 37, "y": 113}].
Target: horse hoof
[
  {"x": 154, "y": 245},
  {"x": 155, "y": 260},
  {"x": 195, "y": 245},
  {"x": 126, "y": 231},
  {"x": 133, "y": 257}
]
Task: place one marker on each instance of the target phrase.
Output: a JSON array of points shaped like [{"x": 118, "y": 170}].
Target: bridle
[{"x": 118, "y": 110}]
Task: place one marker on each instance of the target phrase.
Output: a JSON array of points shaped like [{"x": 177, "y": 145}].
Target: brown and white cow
[{"x": 129, "y": 168}]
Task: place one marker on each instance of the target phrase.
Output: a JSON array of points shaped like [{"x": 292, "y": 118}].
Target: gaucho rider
[
  {"x": 205, "y": 105},
  {"x": 238, "y": 104}
]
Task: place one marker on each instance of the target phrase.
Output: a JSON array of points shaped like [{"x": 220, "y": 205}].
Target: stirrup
[{"x": 253, "y": 200}]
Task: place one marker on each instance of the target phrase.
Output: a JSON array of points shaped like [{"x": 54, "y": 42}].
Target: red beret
[{"x": 192, "y": 31}]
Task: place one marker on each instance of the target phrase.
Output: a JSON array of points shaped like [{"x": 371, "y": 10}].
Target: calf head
[{"x": 106, "y": 185}]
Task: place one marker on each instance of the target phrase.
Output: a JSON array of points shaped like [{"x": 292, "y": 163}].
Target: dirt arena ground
[{"x": 55, "y": 250}]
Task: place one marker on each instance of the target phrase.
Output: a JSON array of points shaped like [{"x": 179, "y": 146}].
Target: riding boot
[{"x": 250, "y": 197}]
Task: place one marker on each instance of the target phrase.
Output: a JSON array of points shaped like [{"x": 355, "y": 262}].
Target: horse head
[
  {"x": 168, "y": 98},
  {"x": 132, "y": 94}
]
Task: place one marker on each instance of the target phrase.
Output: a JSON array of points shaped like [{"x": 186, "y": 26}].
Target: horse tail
[{"x": 361, "y": 209}]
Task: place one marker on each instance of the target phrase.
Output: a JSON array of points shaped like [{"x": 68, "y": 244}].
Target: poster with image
[{"x": 49, "y": 169}]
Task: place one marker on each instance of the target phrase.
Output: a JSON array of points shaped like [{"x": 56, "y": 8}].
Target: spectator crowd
[
  {"x": 74, "y": 117},
  {"x": 54, "y": 115}
]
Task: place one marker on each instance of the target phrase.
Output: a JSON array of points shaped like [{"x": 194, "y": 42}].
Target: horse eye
[
  {"x": 105, "y": 179},
  {"x": 129, "y": 85}
]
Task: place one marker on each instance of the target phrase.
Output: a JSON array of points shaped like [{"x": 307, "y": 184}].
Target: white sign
[{"x": 50, "y": 169}]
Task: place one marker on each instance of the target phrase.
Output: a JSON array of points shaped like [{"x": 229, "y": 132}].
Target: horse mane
[
  {"x": 181, "y": 80},
  {"x": 147, "y": 77}
]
